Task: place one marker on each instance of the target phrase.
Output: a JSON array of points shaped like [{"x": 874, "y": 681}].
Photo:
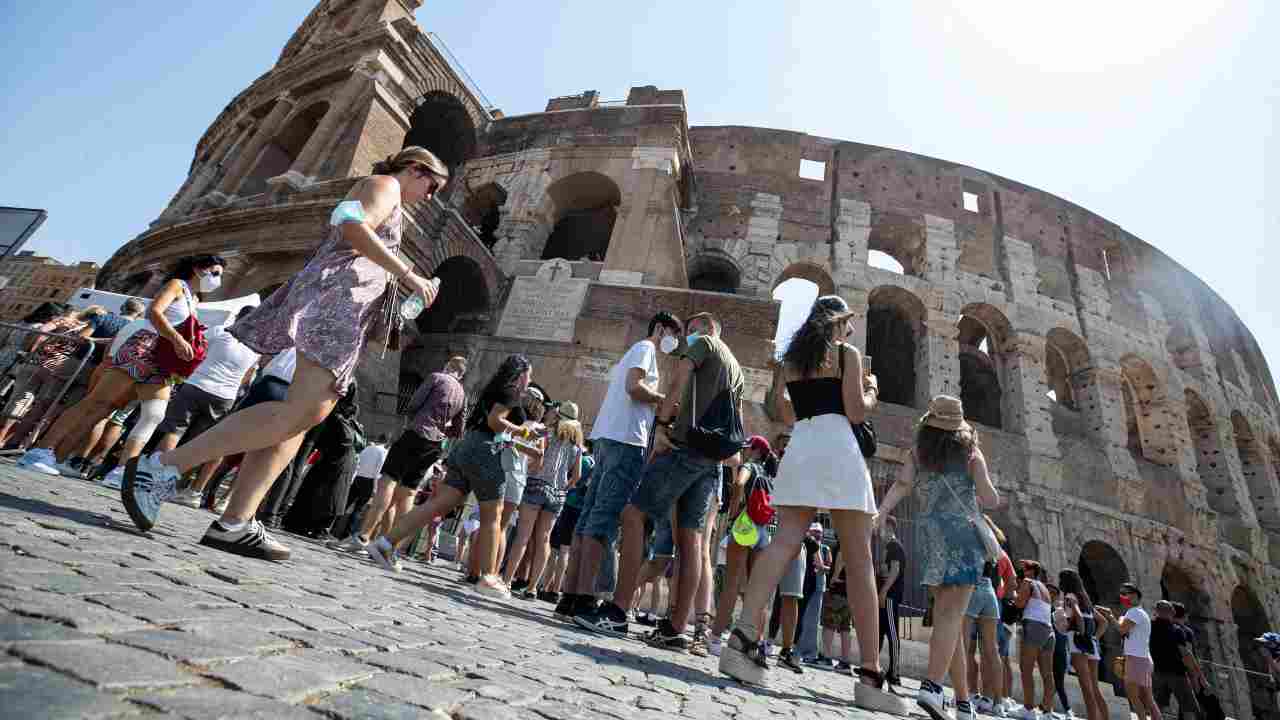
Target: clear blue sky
[{"x": 1159, "y": 116}]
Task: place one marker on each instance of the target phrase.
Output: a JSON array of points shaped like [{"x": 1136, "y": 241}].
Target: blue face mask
[{"x": 690, "y": 339}]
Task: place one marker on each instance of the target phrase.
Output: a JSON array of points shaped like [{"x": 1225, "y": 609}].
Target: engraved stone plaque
[{"x": 545, "y": 306}]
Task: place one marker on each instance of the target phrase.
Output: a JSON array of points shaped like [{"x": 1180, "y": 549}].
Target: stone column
[
  {"x": 938, "y": 351},
  {"x": 762, "y": 234},
  {"x": 244, "y": 161},
  {"x": 206, "y": 175},
  {"x": 312, "y": 155}
]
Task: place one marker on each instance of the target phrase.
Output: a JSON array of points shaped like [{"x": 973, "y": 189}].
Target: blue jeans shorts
[
  {"x": 683, "y": 479},
  {"x": 614, "y": 481},
  {"x": 983, "y": 602},
  {"x": 664, "y": 543},
  {"x": 537, "y": 496}
]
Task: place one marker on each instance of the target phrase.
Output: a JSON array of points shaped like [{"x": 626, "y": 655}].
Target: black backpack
[{"x": 718, "y": 434}]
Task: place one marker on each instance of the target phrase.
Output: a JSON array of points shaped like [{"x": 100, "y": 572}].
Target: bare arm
[
  {"x": 575, "y": 472},
  {"x": 783, "y": 411},
  {"x": 987, "y": 494},
  {"x": 379, "y": 195},
  {"x": 739, "y": 487},
  {"x": 901, "y": 487},
  {"x": 1023, "y": 594},
  {"x": 858, "y": 400},
  {"x": 639, "y": 390}
]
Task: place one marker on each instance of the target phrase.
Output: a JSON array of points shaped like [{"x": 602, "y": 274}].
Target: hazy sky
[{"x": 1159, "y": 116}]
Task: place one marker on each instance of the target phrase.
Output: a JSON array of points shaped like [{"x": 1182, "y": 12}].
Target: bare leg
[
  {"x": 1027, "y": 664},
  {"x": 378, "y": 505},
  {"x": 541, "y": 547},
  {"x": 206, "y": 474},
  {"x": 991, "y": 675},
  {"x": 771, "y": 563},
  {"x": 258, "y": 471},
  {"x": 1046, "y": 678},
  {"x": 690, "y": 544},
  {"x": 110, "y": 436},
  {"x": 78, "y": 420},
  {"x": 854, "y": 529},
  {"x": 1081, "y": 665},
  {"x": 400, "y": 505},
  {"x": 790, "y": 617},
  {"x": 524, "y": 531},
  {"x": 735, "y": 569},
  {"x": 949, "y": 604},
  {"x": 630, "y": 556},
  {"x": 971, "y": 658},
  {"x": 591, "y": 555}
]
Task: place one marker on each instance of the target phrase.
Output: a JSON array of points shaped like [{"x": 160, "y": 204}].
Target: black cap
[{"x": 1131, "y": 588}]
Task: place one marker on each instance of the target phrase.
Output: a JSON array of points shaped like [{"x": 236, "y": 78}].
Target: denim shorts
[
  {"x": 537, "y": 496},
  {"x": 664, "y": 544},
  {"x": 983, "y": 602},
  {"x": 681, "y": 478},
  {"x": 613, "y": 482},
  {"x": 1037, "y": 636}
]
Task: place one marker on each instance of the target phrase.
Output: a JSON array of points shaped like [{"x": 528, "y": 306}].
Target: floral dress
[
  {"x": 950, "y": 550},
  {"x": 330, "y": 309}
]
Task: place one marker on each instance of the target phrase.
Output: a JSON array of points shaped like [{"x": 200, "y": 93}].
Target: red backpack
[{"x": 760, "y": 502}]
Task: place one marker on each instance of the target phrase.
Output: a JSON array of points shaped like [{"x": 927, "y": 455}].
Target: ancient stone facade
[{"x": 1128, "y": 415}]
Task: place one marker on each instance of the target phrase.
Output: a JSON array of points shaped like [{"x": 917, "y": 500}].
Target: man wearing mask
[
  {"x": 620, "y": 436},
  {"x": 1135, "y": 626}
]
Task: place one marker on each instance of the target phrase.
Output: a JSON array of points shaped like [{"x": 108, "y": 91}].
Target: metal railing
[{"x": 14, "y": 340}]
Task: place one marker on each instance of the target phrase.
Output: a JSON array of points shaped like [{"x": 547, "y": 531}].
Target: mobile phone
[{"x": 866, "y": 365}]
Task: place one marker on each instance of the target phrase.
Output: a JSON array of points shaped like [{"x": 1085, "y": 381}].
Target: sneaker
[
  {"x": 998, "y": 711},
  {"x": 666, "y": 637},
  {"x": 564, "y": 608},
  {"x": 1071, "y": 714},
  {"x": 715, "y": 645},
  {"x": 821, "y": 660},
  {"x": 647, "y": 619},
  {"x": 547, "y": 596},
  {"x": 492, "y": 586},
  {"x": 252, "y": 541},
  {"x": 519, "y": 585},
  {"x": 609, "y": 620},
  {"x": 220, "y": 507},
  {"x": 70, "y": 469},
  {"x": 114, "y": 479},
  {"x": 351, "y": 544},
  {"x": 931, "y": 700},
  {"x": 383, "y": 553},
  {"x": 770, "y": 649},
  {"x": 787, "y": 658},
  {"x": 397, "y": 564},
  {"x": 743, "y": 659},
  {"x": 981, "y": 704},
  {"x": 843, "y": 666},
  {"x": 964, "y": 711},
  {"x": 188, "y": 498},
  {"x": 42, "y": 460},
  {"x": 148, "y": 483},
  {"x": 529, "y": 594},
  {"x": 1029, "y": 714}
]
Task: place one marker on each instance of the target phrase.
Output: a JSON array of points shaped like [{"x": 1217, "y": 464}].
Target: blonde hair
[
  {"x": 409, "y": 157},
  {"x": 569, "y": 431}
]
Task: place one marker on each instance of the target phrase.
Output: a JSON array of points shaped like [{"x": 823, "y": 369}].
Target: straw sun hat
[{"x": 946, "y": 413}]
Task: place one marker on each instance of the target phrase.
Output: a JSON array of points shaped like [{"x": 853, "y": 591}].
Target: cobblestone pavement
[{"x": 100, "y": 621}]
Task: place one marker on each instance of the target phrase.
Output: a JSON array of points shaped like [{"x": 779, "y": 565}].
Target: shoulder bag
[
  {"x": 166, "y": 355},
  {"x": 864, "y": 432},
  {"x": 718, "y": 433},
  {"x": 989, "y": 543}
]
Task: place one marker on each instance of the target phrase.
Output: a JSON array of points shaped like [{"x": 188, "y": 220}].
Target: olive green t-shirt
[{"x": 715, "y": 369}]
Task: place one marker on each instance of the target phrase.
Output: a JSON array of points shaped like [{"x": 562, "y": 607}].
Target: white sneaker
[
  {"x": 1029, "y": 714},
  {"x": 998, "y": 711},
  {"x": 770, "y": 650},
  {"x": 42, "y": 460},
  {"x": 981, "y": 704},
  {"x": 493, "y": 587},
  {"x": 351, "y": 543},
  {"x": 933, "y": 703},
  {"x": 1071, "y": 714},
  {"x": 114, "y": 479},
  {"x": 188, "y": 498},
  {"x": 714, "y": 645},
  {"x": 148, "y": 484},
  {"x": 966, "y": 712},
  {"x": 383, "y": 553}
]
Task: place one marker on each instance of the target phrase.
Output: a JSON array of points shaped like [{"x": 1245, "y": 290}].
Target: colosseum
[{"x": 1128, "y": 414}]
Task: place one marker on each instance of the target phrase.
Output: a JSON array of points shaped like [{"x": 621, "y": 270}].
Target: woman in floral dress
[
  {"x": 344, "y": 296},
  {"x": 949, "y": 472}
]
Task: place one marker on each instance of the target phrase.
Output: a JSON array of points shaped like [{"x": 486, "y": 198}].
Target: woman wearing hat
[
  {"x": 825, "y": 392},
  {"x": 949, "y": 473},
  {"x": 544, "y": 494}
]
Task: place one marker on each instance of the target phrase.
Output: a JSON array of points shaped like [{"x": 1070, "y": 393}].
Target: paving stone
[
  {"x": 19, "y": 629},
  {"x": 105, "y": 665},
  {"x": 672, "y": 685},
  {"x": 207, "y": 703},
  {"x": 504, "y": 687},
  {"x": 291, "y": 678},
  {"x": 491, "y": 710},
  {"x": 149, "y": 609},
  {"x": 309, "y": 619},
  {"x": 328, "y": 641},
  {"x": 411, "y": 662},
  {"x": 362, "y": 704},
  {"x": 259, "y": 641},
  {"x": 79, "y": 614},
  {"x": 662, "y": 702},
  {"x": 183, "y": 646},
  {"x": 445, "y": 697},
  {"x": 31, "y": 693}
]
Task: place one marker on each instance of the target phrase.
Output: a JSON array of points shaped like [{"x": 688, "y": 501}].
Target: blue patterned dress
[{"x": 949, "y": 548}]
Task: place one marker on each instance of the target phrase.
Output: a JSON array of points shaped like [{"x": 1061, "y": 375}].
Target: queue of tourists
[{"x": 768, "y": 548}]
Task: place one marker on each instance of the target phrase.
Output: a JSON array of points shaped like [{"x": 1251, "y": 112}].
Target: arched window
[
  {"x": 442, "y": 125},
  {"x": 1066, "y": 359},
  {"x": 983, "y": 333},
  {"x": 1177, "y": 585},
  {"x": 278, "y": 155},
  {"x": 885, "y": 261},
  {"x": 713, "y": 273},
  {"x": 895, "y": 330},
  {"x": 482, "y": 212},
  {"x": 898, "y": 238},
  {"x": 585, "y": 207},
  {"x": 1210, "y": 465},
  {"x": 814, "y": 273},
  {"x": 463, "y": 298},
  {"x": 1256, "y": 470},
  {"x": 1103, "y": 571},
  {"x": 1141, "y": 392}
]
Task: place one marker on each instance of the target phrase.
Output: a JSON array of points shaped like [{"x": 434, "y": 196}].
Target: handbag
[
  {"x": 718, "y": 434},
  {"x": 988, "y": 538},
  {"x": 166, "y": 355},
  {"x": 1117, "y": 667},
  {"x": 864, "y": 432},
  {"x": 1082, "y": 637}
]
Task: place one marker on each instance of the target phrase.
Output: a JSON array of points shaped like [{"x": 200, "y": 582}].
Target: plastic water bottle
[{"x": 413, "y": 306}]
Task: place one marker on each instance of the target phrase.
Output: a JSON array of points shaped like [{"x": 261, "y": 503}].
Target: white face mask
[
  {"x": 669, "y": 344},
  {"x": 209, "y": 282}
]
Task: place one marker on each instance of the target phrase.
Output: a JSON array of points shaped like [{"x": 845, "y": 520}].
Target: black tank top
[{"x": 816, "y": 396}]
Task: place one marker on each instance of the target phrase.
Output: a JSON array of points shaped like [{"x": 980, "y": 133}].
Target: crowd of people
[{"x": 768, "y": 550}]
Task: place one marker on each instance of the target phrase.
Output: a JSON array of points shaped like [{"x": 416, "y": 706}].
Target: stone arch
[
  {"x": 1142, "y": 392},
  {"x": 581, "y": 210},
  {"x": 1177, "y": 584},
  {"x": 463, "y": 297},
  {"x": 440, "y": 123},
  {"x": 1181, "y": 345},
  {"x": 279, "y": 154},
  {"x": 900, "y": 236},
  {"x": 812, "y": 272},
  {"x": 1103, "y": 570},
  {"x": 1256, "y": 470},
  {"x": 1211, "y": 466},
  {"x": 896, "y": 344},
  {"x": 983, "y": 333},
  {"x": 1019, "y": 542},
  {"x": 448, "y": 85},
  {"x": 1251, "y": 620},
  {"x": 483, "y": 211},
  {"x": 714, "y": 271},
  {"x": 1066, "y": 364}
]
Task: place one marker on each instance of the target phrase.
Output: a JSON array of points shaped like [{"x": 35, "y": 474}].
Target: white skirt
[{"x": 823, "y": 468}]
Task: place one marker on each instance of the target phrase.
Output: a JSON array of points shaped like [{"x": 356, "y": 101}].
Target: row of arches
[{"x": 578, "y": 213}]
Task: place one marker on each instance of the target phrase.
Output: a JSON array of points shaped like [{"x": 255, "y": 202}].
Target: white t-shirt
[
  {"x": 283, "y": 365},
  {"x": 224, "y": 366},
  {"x": 622, "y": 419},
  {"x": 1138, "y": 642},
  {"x": 369, "y": 464}
]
